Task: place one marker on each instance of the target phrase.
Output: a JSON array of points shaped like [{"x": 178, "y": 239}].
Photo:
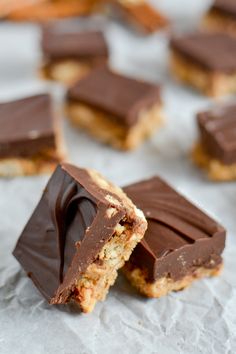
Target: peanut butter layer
[
  {"x": 163, "y": 286},
  {"x": 215, "y": 169}
]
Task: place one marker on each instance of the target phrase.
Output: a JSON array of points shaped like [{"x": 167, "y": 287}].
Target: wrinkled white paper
[{"x": 201, "y": 319}]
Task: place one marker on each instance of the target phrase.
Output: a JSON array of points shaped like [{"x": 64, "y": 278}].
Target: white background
[{"x": 201, "y": 319}]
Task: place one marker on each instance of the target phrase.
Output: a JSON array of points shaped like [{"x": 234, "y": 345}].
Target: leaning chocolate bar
[
  {"x": 216, "y": 150},
  {"x": 205, "y": 61},
  {"x": 80, "y": 234},
  {"x": 30, "y": 138},
  {"x": 181, "y": 244},
  {"x": 117, "y": 110},
  {"x": 221, "y": 16},
  {"x": 68, "y": 56}
]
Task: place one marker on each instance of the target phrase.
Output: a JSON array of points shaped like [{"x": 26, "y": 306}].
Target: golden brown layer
[
  {"x": 107, "y": 130},
  {"x": 216, "y": 170},
  {"x": 163, "y": 286},
  {"x": 210, "y": 83},
  {"x": 66, "y": 71},
  {"x": 214, "y": 21},
  {"x": 100, "y": 275},
  {"x": 45, "y": 10},
  {"x": 41, "y": 163}
]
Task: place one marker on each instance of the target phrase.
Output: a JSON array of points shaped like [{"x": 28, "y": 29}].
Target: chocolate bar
[
  {"x": 205, "y": 61},
  {"x": 140, "y": 15},
  {"x": 68, "y": 56},
  {"x": 216, "y": 150},
  {"x": 221, "y": 17},
  {"x": 181, "y": 244},
  {"x": 30, "y": 141},
  {"x": 115, "y": 109},
  {"x": 82, "y": 231}
]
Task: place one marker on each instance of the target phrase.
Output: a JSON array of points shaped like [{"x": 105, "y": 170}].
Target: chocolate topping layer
[
  {"x": 27, "y": 126},
  {"x": 80, "y": 45},
  {"x": 66, "y": 232},
  {"x": 213, "y": 51},
  {"x": 218, "y": 133},
  {"x": 227, "y": 7},
  {"x": 121, "y": 97},
  {"x": 179, "y": 238}
]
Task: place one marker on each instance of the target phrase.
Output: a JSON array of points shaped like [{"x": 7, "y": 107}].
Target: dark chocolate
[
  {"x": 66, "y": 232},
  {"x": 225, "y": 7},
  {"x": 179, "y": 238},
  {"x": 79, "y": 45},
  {"x": 27, "y": 126},
  {"x": 119, "y": 96},
  {"x": 218, "y": 133},
  {"x": 212, "y": 51}
]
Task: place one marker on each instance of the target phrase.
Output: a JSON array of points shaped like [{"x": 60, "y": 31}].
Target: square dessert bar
[
  {"x": 30, "y": 137},
  {"x": 216, "y": 150},
  {"x": 181, "y": 244},
  {"x": 140, "y": 14},
  {"x": 205, "y": 61},
  {"x": 115, "y": 109},
  {"x": 82, "y": 231},
  {"x": 68, "y": 56},
  {"x": 221, "y": 17}
]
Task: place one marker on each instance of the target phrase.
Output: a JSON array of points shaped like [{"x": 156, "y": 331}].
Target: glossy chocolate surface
[
  {"x": 27, "y": 126},
  {"x": 218, "y": 133},
  {"x": 213, "y": 51},
  {"x": 119, "y": 96},
  {"x": 81, "y": 45},
  {"x": 179, "y": 238},
  {"x": 66, "y": 232}
]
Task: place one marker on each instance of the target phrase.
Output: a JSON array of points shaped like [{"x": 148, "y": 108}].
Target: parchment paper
[{"x": 201, "y": 319}]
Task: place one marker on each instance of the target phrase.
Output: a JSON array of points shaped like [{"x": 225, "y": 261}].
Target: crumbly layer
[
  {"x": 219, "y": 22},
  {"x": 163, "y": 286},
  {"x": 210, "y": 83},
  {"x": 93, "y": 286},
  {"x": 66, "y": 71},
  {"x": 216, "y": 170},
  {"x": 107, "y": 130},
  {"x": 26, "y": 166}
]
